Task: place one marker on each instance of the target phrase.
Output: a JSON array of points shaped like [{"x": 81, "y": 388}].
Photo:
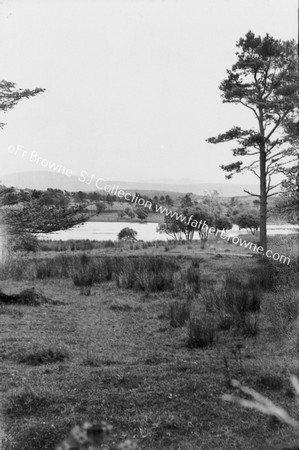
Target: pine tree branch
[{"x": 250, "y": 193}]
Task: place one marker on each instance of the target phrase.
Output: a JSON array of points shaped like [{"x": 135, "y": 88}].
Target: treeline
[{"x": 192, "y": 216}]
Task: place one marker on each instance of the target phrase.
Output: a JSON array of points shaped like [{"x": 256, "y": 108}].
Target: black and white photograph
[{"x": 149, "y": 225}]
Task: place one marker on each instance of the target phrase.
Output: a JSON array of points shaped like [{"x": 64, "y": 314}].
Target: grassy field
[{"x": 150, "y": 348}]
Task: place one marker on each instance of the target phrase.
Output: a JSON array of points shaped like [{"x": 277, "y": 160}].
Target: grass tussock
[
  {"x": 150, "y": 274},
  {"x": 202, "y": 332},
  {"x": 179, "y": 313},
  {"x": 41, "y": 356},
  {"x": 28, "y": 403},
  {"x": 235, "y": 303}
]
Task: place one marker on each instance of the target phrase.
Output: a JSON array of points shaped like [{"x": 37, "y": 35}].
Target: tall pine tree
[{"x": 264, "y": 80}]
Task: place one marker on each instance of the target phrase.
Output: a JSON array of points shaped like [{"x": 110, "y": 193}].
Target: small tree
[
  {"x": 186, "y": 201},
  {"x": 127, "y": 234},
  {"x": 168, "y": 200},
  {"x": 223, "y": 223},
  {"x": 101, "y": 206},
  {"x": 171, "y": 227},
  {"x": 249, "y": 221}
]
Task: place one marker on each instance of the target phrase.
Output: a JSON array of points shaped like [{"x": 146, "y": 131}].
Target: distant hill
[{"x": 46, "y": 179}]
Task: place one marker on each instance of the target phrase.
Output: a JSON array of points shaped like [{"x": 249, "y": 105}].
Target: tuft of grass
[
  {"x": 263, "y": 278},
  {"x": 272, "y": 382},
  {"x": 40, "y": 435},
  {"x": 193, "y": 278},
  {"x": 44, "y": 356},
  {"x": 179, "y": 313},
  {"x": 27, "y": 403},
  {"x": 235, "y": 304},
  {"x": 201, "y": 332},
  {"x": 84, "y": 275},
  {"x": 117, "y": 306}
]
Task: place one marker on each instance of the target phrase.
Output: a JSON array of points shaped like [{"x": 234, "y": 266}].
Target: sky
[{"x": 132, "y": 86}]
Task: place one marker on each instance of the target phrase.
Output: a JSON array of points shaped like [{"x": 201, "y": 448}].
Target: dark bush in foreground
[
  {"x": 201, "y": 332},
  {"x": 44, "y": 356}
]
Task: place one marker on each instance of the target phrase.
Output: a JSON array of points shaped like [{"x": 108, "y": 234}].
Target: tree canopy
[
  {"x": 10, "y": 95},
  {"x": 127, "y": 234}
]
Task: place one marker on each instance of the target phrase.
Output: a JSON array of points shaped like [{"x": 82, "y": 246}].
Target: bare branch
[{"x": 250, "y": 193}]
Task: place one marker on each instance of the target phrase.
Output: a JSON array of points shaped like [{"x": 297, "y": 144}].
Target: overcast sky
[{"x": 131, "y": 85}]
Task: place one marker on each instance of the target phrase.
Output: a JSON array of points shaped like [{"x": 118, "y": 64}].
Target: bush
[
  {"x": 201, "y": 332},
  {"x": 249, "y": 220},
  {"x": 179, "y": 313}
]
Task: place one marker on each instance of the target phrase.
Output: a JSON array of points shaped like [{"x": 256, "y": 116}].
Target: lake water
[{"x": 105, "y": 231}]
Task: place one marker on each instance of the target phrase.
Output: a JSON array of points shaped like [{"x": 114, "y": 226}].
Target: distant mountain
[{"x": 46, "y": 179}]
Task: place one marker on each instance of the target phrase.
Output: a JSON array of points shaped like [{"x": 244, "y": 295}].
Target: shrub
[
  {"x": 249, "y": 220},
  {"x": 201, "y": 332},
  {"x": 179, "y": 313}
]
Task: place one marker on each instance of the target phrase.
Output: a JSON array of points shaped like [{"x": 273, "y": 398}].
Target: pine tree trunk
[
  {"x": 263, "y": 184},
  {"x": 263, "y": 200}
]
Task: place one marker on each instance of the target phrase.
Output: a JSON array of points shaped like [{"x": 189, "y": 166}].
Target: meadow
[{"x": 146, "y": 336}]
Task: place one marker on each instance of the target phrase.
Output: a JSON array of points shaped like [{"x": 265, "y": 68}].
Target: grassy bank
[{"x": 150, "y": 348}]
